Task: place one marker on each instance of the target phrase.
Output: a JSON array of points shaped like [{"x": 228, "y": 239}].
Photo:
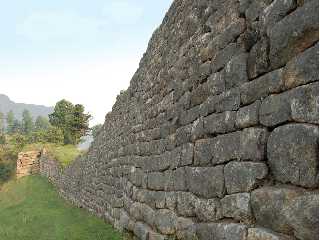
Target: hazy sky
[{"x": 80, "y": 50}]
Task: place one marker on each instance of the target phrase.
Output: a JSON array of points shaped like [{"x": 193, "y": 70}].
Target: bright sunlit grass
[{"x": 30, "y": 209}]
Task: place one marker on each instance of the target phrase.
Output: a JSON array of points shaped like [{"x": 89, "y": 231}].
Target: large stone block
[
  {"x": 208, "y": 210},
  {"x": 258, "y": 60},
  {"x": 210, "y": 179},
  {"x": 237, "y": 206},
  {"x": 266, "y": 234},
  {"x": 186, "y": 204},
  {"x": 253, "y": 143},
  {"x": 221, "y": 231},
  {"x": 303, "y": 216},
  {"x": 225, "y": 148},
  {"x": 157, "y": 181},
  {"x": 166, "y": 221},
  {"x": 220, "y": 122},
  {"x": 269, "y": 205},
  {"x": 203, "y": 152},
  {"x": 276, "y": 11},
  {"x": 302, "y": 69},
  {"x": 248, "y": 116},
  {"x": 293, "y": 154},
  {"x": 296, "y": 32},
  {"x": 235, "y": 72},
  {"x": 243, "y": 176},
  {"x": 261, "y": 87}
]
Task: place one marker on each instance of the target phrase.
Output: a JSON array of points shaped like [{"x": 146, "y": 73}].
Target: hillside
[{"x": 36, "y": 110}]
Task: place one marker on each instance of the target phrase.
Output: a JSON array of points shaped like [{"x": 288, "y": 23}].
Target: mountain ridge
[{"x": 6, "y": 105}]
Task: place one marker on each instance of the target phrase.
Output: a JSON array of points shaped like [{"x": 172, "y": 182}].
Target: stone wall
[
  {"x": 28, "y": 163},
  {"x": 217, "y": 135}
]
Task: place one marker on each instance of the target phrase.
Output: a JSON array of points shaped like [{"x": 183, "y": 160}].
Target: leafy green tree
[
  {"x": 17, "y": 127},
  {"x": 41, "y": 123},
  {"x": 10, "y": 122},
  {"x": 95, "y": 130},
  {"x": 2, "y": 123},
  {"x": 71, "y": 119},
  {"x": 27, "y": 122},
  {"x": 54, "y": 135}
]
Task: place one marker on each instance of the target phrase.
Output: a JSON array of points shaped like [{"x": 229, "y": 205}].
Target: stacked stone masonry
[
  {"x": 28, "y": 163},
  {"x": 217, "y": 135}
]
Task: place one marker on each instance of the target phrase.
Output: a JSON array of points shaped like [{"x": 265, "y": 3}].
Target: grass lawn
[{"x": 30, "y": 209}]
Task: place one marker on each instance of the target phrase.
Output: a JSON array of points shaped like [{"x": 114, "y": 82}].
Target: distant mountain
[{"x": 7, "y": 105}]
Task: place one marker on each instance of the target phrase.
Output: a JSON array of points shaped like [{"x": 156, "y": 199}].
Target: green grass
[
  {"x": 30, "y": 209},
  {"x": 65, "y": 154}
]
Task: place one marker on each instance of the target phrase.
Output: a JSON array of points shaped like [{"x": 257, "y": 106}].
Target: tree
[
  {"x": 17, "y": 127},
  {"x": 95, "y": 130},
  {"x": 2, "y": 122},
  {"x": 71, "y": 119},
  {"x": 10, "y": 122},
  {"x": 27, "y": 122},
  {"x": 41, "y": 123}
]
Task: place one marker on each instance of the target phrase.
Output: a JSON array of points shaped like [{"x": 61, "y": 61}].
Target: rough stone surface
[
  {"x": 293, "y": 154},
  {"x": 237, "y": 206},
  {"x": 243, "y": 176},
  {"x": 265, "y": 234},
  {"x": 294, "y": 33},
  {"x": 273, "y": 215},
  {"x": 183, "y": 153}
]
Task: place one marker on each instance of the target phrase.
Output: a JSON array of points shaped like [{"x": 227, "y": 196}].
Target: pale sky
[{"x": 79, "y": 50}]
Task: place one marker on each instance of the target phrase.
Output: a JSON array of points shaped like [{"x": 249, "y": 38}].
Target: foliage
[
  {"x": 10, "y": 122},
  {"x": 27, "y": 122},
  {"x": 71, "y": 119},
  {"x": 41, "y": 123},
  {"x": 95, "y": 130},
  {"x": 32, "y": 209},
  {"x": 2, "y": 123}
]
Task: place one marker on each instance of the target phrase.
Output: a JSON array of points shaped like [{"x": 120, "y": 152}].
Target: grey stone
[
  {"x": 186, "y": 157},
  {"x": 261, "y": 87},
  {"x": 294, "y": 33},
  {"x": 275, "y": 110},
  {"x": 236, "y": 71},
  {"x": 208, "y": 210},
  {"x": 243, "y": 176},
  {"x": 258, "y": 60},
  {"x": 225, "y": 148},
  {"x": 156, "y": 181},
  {"x": 293, "y": 154},
  {"x": 222, "y": 57},
  {"x": 203, "y": 152},
  {"x": 186, "y": 229},
  {"x": 216, "y": 83},
  {"x": 176, "y": 180},
  {"x": 228, "y": 101},
  {"x": 166, "y": 221},
  {"x": 253, "y": 144},
  {"x": 210, "y": 178},
  {"x": 304, "y": 103},
  {"x": 220, "y": 122},
  {"x": 272, "y": 215},
  {"x": 221, "y": 231},
  {"x": 266, "y": 234},
  {"x": 302, "y": 69},
  {"x": 248, "y": 116},
  {"x": 255, "y": 8},
  {"x": 205, "y": 70},
  {"x": 237, "y": 206},
  {"x": 141, "y": 230},
  {"x": 273, "y": 13},
  {"x": 185, "y": 204},
  {"x": 303, "y": 216}
]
